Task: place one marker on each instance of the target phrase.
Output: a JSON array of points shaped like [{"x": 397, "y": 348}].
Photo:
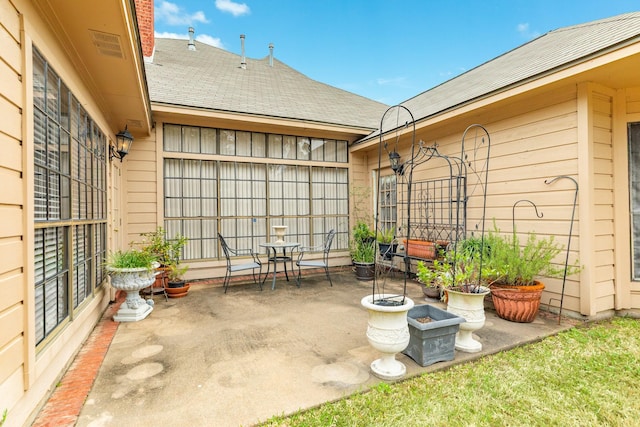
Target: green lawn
[{"x": 587, "y": 376}]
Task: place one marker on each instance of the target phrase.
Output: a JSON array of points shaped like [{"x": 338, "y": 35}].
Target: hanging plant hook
[
  {"x": 513, "y": 213},
  {"x": 573, "y": 212}
]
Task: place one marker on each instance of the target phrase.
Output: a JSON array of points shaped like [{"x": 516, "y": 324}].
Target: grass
[{"x": 586, "y": 376}]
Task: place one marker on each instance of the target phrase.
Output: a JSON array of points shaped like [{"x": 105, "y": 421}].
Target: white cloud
[
  {"x": 395, "y": 81},
  {"x": 524, "y": 31},
  {"x": 172, "y": 14},
  {"x": 236, "y": 9},
  {"x": 202, "y": 38},
  {"x": 168, "y": 35},
  {"x": 210, "y": 40}
]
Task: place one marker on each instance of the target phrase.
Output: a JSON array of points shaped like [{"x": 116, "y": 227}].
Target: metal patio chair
[
  {"x": 252, "y": 264},
  {"x": 317, "y": 263}
]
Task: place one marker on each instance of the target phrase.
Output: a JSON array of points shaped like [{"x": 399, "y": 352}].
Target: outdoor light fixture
[
  {"x": 123, "y": 143},
  {"x": 394, "y": 159}
]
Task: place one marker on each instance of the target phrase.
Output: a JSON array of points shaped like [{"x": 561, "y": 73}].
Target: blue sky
[{"x": 386, "y": 50}]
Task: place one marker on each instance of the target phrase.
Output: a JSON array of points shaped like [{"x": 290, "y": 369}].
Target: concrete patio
[{"x": 237, "y": 359}]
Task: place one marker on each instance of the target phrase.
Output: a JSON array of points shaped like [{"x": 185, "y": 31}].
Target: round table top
[{"x": 279, "y": 245}]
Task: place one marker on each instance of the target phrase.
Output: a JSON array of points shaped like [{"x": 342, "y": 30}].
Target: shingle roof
[
  {"x": 553, "y": 50},
  {"x": 211, "y": 78}
]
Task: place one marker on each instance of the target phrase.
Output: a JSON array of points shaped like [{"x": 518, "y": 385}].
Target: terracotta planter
[
  {"x": 517, "y": 303},
  {"x": 423, "y": 249},
  {"x": 178, "y": 292}
]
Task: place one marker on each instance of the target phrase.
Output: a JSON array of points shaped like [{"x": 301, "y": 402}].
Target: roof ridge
[{"x": 621, "y": 17}]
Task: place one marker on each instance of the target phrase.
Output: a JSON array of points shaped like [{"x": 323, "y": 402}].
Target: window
[
  {"x": 192, "y": 139},
  {"x": 243, "y": 200},
  {"x": 69, "y": 199},
  {"x": 634, "y": 188},
  {"x": 388, "y": 212}
]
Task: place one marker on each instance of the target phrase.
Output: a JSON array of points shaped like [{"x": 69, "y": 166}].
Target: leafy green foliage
[
  {"x": 460, "y": 267},
  {"x": 386, "y": 235},
  {"x": 362, "y": 244},
  {"x": 176, "y": 272},
  {"x": 364, "y": 252},
  {"x": 132, "y": 258},
  {"x": 166, "y": 251},
  {"x": 516, "y": 264}
]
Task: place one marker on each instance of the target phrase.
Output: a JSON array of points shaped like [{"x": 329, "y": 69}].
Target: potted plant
[
  {"x": 166, "y": 251},
  {"x": 515, "y": 291},
  {"x": 132, "y": 271},
  {"x": 463, "y": 275},
  {"x": 363, "y": 251},
  {"x": 177, "y": 286},
  {"x": 386, "y": 242},
  {"x": 430, "y": 286}
]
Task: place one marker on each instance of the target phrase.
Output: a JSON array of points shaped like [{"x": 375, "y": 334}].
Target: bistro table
[{"x": 274, "y": 257}]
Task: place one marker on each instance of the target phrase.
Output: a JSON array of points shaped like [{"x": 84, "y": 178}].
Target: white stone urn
[
  {"x": 387, "y": 332},
  {"x": 470, "y": 306},
  {"x": 132, "y": 280},
  {"x": 279, "y": 231}
]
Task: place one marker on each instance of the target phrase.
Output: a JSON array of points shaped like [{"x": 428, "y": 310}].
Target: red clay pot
[
  {"x": 517, "y": 303},
  {"x": 177, "y": 292},
  {"x": 420, "y": 249}
]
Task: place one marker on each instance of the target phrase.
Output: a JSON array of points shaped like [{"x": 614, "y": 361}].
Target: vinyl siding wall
[
  {"x": 29, "y": 373},
  {"x": 532, "y": 140},
  {"x": 13, "y": 309}
]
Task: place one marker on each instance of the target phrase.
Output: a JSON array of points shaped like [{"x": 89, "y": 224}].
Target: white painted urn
[
  {"x": 387, "y": 332},
  {"x": 132, "y": 281}
]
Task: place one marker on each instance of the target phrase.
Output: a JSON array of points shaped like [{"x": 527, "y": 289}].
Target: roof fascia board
[{"x": 162, "y": 111}]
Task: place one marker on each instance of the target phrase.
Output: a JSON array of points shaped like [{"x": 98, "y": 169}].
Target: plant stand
[
  {"x": 470, "y": 306},
  {"x": 387, "y": 332},
  {"x": 433, "y": 341},
  {"x": 132, "y": 281}
]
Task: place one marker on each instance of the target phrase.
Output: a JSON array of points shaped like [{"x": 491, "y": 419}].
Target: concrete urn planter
[
  {"x": 132, "y": 281},
  {"x": 470, "y": 306},
  {"x": 387, "y": 332}
]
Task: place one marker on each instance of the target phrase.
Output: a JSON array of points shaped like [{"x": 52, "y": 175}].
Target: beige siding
[
  {"x": 632, "y": 101},
  {"x": 528, "y": 147},
  {"x": 603, "y": 222},
  {"x": 141, "y": 186},
  {"x": 12, "y": 305}
]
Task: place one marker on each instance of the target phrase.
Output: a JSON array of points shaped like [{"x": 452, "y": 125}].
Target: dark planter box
[{"x": 434, "y": 341}]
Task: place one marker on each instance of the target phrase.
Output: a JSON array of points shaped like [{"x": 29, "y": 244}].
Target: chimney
[
  {"x": 270, "y": 54},
  {"x": 243, "y": 61},
  {"x": 192, "y": 43},
  {"x": 144, "y": 15}
]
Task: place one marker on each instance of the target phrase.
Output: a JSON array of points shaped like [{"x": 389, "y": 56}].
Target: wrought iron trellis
[{"x": 432, "y": 207}]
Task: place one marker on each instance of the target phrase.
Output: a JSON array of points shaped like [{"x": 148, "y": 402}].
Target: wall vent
[{"x": 107, "y": 44}]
